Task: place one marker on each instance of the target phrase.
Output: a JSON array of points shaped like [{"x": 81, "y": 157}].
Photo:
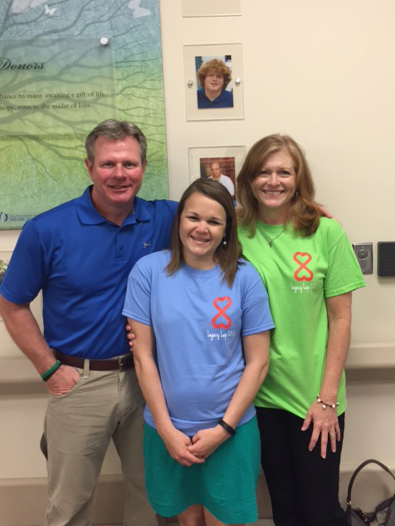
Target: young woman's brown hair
[{"x": 227, "y": 253}]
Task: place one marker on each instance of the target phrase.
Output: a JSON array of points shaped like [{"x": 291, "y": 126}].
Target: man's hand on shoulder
[
  {"x": 324, "y": 212},
  {"x": 130, "y": 336},
  {"x": 63, "y": 380}
]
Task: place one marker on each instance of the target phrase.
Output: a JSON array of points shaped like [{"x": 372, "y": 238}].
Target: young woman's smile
[{"x": 202, "y": 229}]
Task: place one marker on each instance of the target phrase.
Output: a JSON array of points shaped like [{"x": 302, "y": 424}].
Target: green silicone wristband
[{"x": 47, "y": 374}]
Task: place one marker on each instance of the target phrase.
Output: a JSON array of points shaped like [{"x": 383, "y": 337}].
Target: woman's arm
[
  {"x": 256, "y": 350},
  {"x": 147, "y": 373},
  {"x": 325, "y": 420}
]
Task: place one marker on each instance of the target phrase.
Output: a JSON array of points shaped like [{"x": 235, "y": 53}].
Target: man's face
[
  {"x": 117, "y": 174},
  {"x": 214, "y": 80},
  {"x": 215, "y": 171}
]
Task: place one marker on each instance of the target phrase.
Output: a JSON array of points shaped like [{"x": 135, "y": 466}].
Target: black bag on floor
[{"x": 384, "y": 513}]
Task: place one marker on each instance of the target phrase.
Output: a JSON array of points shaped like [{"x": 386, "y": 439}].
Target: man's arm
[{"x": 26, "y": 333}]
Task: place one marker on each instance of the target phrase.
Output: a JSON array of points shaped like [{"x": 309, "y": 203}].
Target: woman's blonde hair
[
  {"x": 304, "y": 215},
  {"x": 227, "y": 254}
]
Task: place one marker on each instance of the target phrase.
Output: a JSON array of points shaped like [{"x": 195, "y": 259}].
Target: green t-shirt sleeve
[{"x": 344, "y": 273}]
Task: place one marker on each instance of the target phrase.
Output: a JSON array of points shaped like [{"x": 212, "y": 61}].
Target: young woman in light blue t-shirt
[{"x": 201, "y": 319}]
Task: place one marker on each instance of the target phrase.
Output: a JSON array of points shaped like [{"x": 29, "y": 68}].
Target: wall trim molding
[
  {"x": 371, "y": 356},
  {"x": 18, "y": 376}
]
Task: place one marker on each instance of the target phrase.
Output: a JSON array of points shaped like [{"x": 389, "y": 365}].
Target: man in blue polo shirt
[{"x": 80, "y": 255}]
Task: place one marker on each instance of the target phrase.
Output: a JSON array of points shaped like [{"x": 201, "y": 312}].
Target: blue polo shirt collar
[{"x": 88, "y": 215}]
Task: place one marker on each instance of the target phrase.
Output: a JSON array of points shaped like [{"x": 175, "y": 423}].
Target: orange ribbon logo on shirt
[
  {"x": 302, "y": 259},
  {"x": 221, "y": 312}
]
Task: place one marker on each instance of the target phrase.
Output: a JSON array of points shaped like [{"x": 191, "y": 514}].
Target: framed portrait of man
[
  {"x": 221, "y": 169},
  {"x": 213, "y": 79},
  {"x": 218, "y": 163},
  {"x": 214, "y": 82}
]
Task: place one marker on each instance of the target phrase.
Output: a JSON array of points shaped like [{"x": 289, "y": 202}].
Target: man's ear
[
  {"x": 89, "y": 167},
  {"x": 144, "y": 167}
]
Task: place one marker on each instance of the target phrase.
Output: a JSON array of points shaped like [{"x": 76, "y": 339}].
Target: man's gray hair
[{"x": 115, "y": 130}]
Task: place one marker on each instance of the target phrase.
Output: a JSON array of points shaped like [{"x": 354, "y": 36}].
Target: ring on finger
[{"x": 331, "y": 435}]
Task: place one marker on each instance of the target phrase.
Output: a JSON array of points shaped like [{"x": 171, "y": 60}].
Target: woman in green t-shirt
[{"x": 309, "y": 269}]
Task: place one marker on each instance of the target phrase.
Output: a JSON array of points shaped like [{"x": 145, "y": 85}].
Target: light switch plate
[{"x": 364, "y": 253}]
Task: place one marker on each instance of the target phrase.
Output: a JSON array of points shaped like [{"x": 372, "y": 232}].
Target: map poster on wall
[
  {"x": 52, "y": 85},
  {"x": 66, "y": 66}
]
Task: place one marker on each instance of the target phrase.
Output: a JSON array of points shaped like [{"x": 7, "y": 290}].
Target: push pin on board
[{"x": 104, "y": 41}]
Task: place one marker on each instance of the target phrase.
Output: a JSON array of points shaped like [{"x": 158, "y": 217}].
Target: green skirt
[{"x": 225, "y": 484}]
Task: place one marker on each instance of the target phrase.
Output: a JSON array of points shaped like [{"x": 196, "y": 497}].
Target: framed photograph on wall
[
  {"x": 193, "y": 8},
  {"x": 221, "y": 164},
  {"x": 213, "y": 82}
]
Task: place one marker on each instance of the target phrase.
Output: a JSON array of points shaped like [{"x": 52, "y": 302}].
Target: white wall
[{"x": 323, "y": 73}]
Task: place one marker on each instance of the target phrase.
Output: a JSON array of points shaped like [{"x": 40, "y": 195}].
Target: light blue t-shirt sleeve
[
  {"x": 138, "y": 294},
  {"x": 255, "y": 303}
]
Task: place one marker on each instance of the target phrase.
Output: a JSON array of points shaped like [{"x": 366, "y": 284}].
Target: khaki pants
[{"x": 78, "y": 429}]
